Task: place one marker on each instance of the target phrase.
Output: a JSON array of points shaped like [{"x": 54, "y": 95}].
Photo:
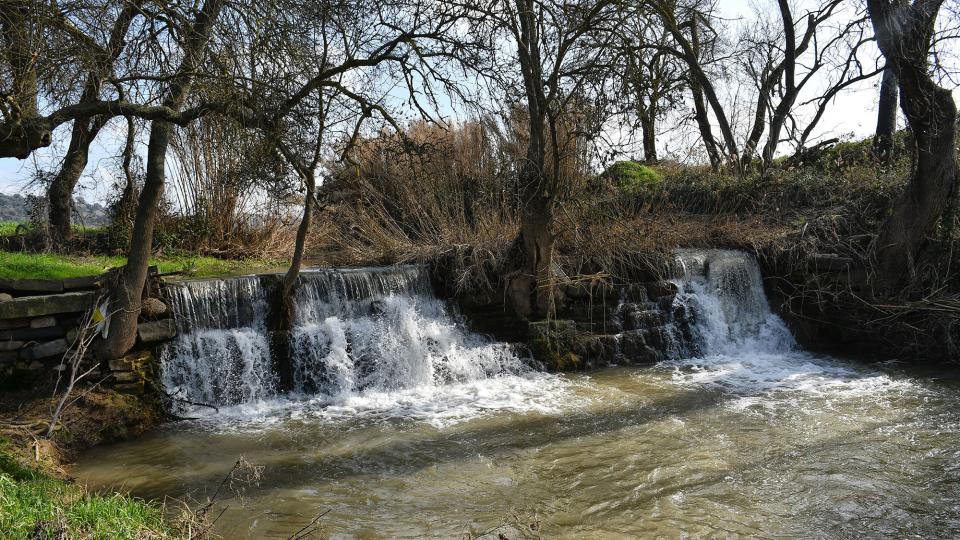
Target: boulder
[
  {"x": 52, "y": 304},
  {"x": 153, "y": 308},
  {"x": 5, "y": 296},
  {"x": 45, "y": 350},
  {"x": 156, "y": 331}
]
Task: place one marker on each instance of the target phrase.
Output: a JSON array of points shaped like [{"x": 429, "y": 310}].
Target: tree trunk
[
  {"x": 648, "y": 127},
  {"x": 60, "y": 192},
  {"x": 282, "y": 319},
  {"x": 703, "y": 122},
  {"x": 886, "y": 115},
  {"x": 904, "y": 34},
  {"x": 127, "y": 292}
]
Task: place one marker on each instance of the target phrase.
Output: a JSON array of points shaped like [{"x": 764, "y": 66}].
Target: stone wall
[
  {"x": 596, "y": 324},
  {"x": 40, "y": 323}
]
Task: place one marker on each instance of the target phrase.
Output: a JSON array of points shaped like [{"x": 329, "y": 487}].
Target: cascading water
[
  {"x": 222, "y": 353},
  {"x": 357, "y": 333},
  {"x": 720, "y": 299},
  {"x": 384, "y": 330},
  {"x": 734, "y": 342}
]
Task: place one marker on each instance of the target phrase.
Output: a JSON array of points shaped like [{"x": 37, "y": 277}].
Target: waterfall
[
  {"x": 379, "y": 335},
  {"x": 221, "y": 354},
  {"x": 721, "y": 303},
  {"x": 355, "y": 331},
  {"x": 734, "y": 342}
]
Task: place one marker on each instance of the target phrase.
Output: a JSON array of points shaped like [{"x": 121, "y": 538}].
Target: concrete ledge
[
  {"x": 38, "y": 306},
  {"x": 31, "y": 285}
]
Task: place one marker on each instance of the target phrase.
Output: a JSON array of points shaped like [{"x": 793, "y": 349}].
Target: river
[{"x": 747, "y": 435}]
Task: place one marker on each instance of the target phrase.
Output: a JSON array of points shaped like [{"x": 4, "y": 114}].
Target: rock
[
  {"x": 81, "y": 283},
  {"x": 71, "y": 335},
  {"x": 131, "y": 362},
  {"x": 156, "y": 331},
  {"x": 10, "y": 345},
  {"x": 43, "y": 322},
  {"x": 126, "y": 376},
  {"x": 635, "y": 349},
  {"x": 31, "y": 334},
  {"x": 7, "y": 324},
  {"x": 130, "y": 388},
  {"x": 32, "y": 285},
  {"x": 45, "y": 350},
  {"x": 34, "y": 366},
  {"x": 38, "y": 306},
  {"x": 659, "y": 289},
  {"x": 5, "y": 296},
  {"x": 153, "y": 308}
]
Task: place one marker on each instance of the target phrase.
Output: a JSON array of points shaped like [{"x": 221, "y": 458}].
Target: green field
[
  {"x": 49, "y": 266},
  {"x": 9, "y": 228}
]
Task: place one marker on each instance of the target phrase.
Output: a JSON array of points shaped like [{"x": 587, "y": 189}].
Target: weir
[
  {"x": 384, "y": 330},
  {"x": 356, "y": 330}
]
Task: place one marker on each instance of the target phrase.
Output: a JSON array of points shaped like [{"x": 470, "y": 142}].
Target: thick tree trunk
[
  {"x": 903, "y": 34},
  {"x": 60, "y": 192},
  {"x": 886, "y": 115},
  {"x": 127, "y": 292},
  {"x": 648, "y": 127},
  {"x": 533, "y": 290}
]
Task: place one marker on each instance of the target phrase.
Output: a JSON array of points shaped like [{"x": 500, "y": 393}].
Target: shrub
[{"x": 632, "y": 177}]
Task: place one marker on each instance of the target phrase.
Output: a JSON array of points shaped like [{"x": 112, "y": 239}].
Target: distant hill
[{"x": 14, "y": 208}]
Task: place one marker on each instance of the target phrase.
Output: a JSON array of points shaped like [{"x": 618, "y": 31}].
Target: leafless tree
[{"x": 905, "y": 33}]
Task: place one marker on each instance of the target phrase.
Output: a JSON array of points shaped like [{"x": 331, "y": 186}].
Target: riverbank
[{"x": 39, "y": 499}]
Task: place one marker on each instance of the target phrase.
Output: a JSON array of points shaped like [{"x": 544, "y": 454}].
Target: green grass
[
  {"x": 35, "y": 505},
  {"x": 48, "y": 266},
  {"x": 9, "y": 228}
]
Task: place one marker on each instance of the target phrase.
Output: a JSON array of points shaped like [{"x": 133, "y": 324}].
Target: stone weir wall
[
  {"x": 40, "y": 325},
  {"x": 597, "y": 324}
]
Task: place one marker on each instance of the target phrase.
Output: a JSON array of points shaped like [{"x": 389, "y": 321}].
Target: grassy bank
[
  {"x": 35, "y": 504},
  {"x": 49, "y": 266}
]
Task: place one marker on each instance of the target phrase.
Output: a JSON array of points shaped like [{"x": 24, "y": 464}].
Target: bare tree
[
  {"x": 905, "y": 33},
  {"x": 127, "y": 292},
  {"x": 561, "y": 50},
  {"x": 60, "y": 191}
]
